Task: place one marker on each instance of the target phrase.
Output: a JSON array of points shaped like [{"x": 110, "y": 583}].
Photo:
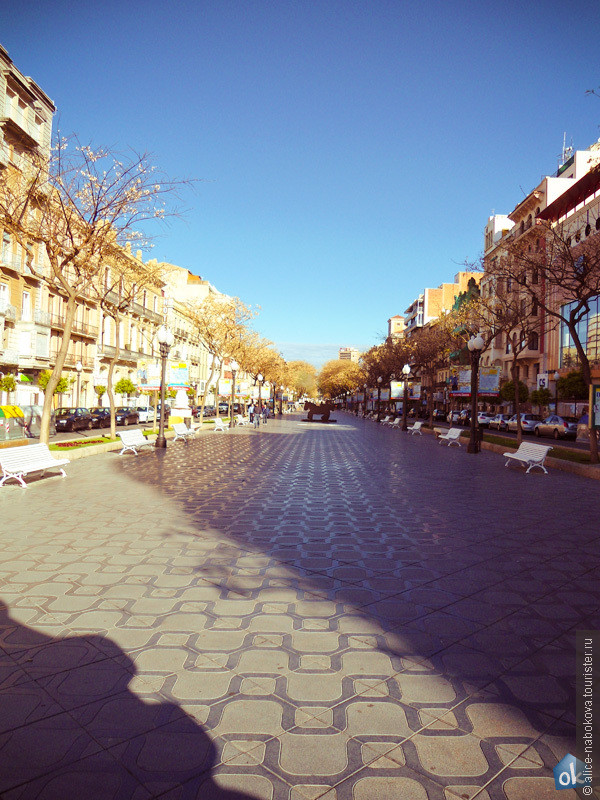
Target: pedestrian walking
[
  {"x": 265, "y": 414},
  {"x": 251, "y": 412}
]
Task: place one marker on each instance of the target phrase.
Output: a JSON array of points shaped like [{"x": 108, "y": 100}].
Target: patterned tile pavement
[{"x": 340, "y": 612}]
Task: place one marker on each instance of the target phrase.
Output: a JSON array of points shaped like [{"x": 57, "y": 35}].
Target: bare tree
[
  {"x": 220, "y": 323},
  {"x": 70, "y": 213},
  {"x": 561, "y": 276},
  {"x": 118, "y": 286}
]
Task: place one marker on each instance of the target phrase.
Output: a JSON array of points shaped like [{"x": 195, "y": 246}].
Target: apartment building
[
  {"x": 348, "y": 354},
  {"x": 578, "y": 211},
  {"x": 396, "y": 325},
  {"x": 540, "y": 355},
  {"x": 432, "y": 303},
  {"x": 26, "y": 114}
]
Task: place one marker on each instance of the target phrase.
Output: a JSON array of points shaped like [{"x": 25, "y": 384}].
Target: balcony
[
  {"x": 72, "y": 359},
  {"x": 42, "y": 318},
  {"x": 15, "y": 120},
  {"x": 125, "y": 354},
  {"x": 7, "y": 311},
  {"x": 78, "y": 327},
  {"x": 16, "y": 263},
  {"x": 9, "y": 356}
]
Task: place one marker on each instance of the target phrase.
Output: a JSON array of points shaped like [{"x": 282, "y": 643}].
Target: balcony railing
[
  {"x": 16, "y": 263},
  {"x": 72, "y": 359},
  {"x": 81, "y": 328},
  {"x": 42, "y": 317},
  {"x": 18, "y": 118},
  {"x": 8, "y": 311},
  {"x": 9, "y": 356},
  {"x": 125, "y": 354}
]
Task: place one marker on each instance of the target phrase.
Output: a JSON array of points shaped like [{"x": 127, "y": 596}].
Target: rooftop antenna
[{"x": 567, "y": 152}]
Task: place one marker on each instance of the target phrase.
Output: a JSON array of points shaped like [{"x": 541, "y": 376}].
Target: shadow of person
[{"x": 70, "y": 728}]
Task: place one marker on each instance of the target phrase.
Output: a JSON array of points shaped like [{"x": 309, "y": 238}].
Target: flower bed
[{"x": 85, "y": 443}]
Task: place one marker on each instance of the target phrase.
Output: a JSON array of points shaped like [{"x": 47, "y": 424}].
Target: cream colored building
[{"x": 25, "y": 127}]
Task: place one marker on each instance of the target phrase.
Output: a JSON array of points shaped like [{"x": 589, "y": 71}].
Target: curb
[{"x": 591, "y": 471}]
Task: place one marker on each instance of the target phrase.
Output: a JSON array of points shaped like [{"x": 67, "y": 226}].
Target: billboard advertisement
[
  {"x": 397, "y": 388},
  {"x": 148, "y": 375},
  {"x": 460, "y": 381}
]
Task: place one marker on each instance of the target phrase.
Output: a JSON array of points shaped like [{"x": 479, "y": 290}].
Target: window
[
  {"x": 508, "y": 344},
  {"x": 534, "y": 307},
  {"x": 588, "y": 229},
  {"x": 598, "y": 224},
  {"x": 534, "y": 277},
  {"x": 26, "y": 307},
  {"x": 534, "y": 342},
  {"x": 6, "y": 248}
]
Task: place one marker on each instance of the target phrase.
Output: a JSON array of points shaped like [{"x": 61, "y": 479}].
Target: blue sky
[{"x": 349, "y": 152}]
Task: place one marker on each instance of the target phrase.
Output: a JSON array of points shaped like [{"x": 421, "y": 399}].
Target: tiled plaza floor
[{"x": 342, "y": 612}]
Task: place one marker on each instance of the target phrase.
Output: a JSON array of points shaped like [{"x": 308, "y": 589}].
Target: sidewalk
[{"x": 300, "y": 612}]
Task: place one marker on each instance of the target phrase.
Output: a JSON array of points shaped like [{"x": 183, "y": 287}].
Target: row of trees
[{"x": 75, "y": 216}]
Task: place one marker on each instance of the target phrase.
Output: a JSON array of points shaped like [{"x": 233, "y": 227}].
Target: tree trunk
[
  {"x": 430, "y": 397},
  {"x": 57, "y": 369},
  {"x": 513, "y": 370},
  {"x": 206, "y": 388}
]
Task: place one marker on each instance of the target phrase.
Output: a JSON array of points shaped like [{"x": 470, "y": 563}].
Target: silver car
[
  {"x": 557, "y": 427},
  {"x": 528, "y": 422}
]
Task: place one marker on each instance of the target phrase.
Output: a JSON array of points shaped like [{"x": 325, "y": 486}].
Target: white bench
[
  {"x": 531, "y": 454},
  {"x": 16, "y": 462},
  {"x": 416, "y": 428},
  {"x": 182, "y": 431},
  {"x": 451, "y": 437},
  {"x": 220, "y": 426},
  {"x": 395, "y": 423},
  {"x": 133, "y": 440},
  {"x": 386, "y": 420},
  {"x": 239, "y": 420}
]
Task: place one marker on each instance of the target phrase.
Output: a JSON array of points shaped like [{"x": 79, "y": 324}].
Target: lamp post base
[{"x": 160, "y": 442}]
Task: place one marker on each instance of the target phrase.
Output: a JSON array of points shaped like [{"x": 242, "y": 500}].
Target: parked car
[
  {"x": 464, "y": 418},
  {"x": 100, "y": 416},
  {"x": 223, "y": 408},
  {"x": 127, "y": 416},
  {"x": 557, "y": 427},
  {"x": 528, "y": 422},
  {"x": 73, "y": 419},
  {"x": 438, "y": 415},
  {"x": 453, "y": 417},
  {"x": 499, "y": 422},
  {"x": 484, "y": 418},
  {"x": 145, "y": 414}
]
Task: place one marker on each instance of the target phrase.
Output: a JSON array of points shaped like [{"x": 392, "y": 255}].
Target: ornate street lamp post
[
  {"x": 281, "y": 401},
  {"x": 165, "y": 341},
  {"x": 475, "y": 345},
  {"x": 78, "y": 367},
  {"x": 366, "y": 388},
  {"x": 379, "y": 380},
  {"x": 405, "y": 374},
  {"x": 556, "y": 377},
  {"x": 392, "y": 378},
  {"x": 234, "y": 366}
]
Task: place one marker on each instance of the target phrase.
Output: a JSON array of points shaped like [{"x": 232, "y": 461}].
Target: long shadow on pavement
[{"x": 70, "y": 728}]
